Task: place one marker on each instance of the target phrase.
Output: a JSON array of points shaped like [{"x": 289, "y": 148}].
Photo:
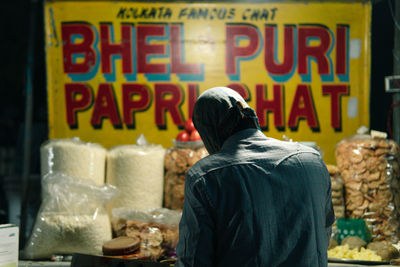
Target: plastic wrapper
[
  {"x": 178, "y": 160},
  {"x": 74, "y": 158},
  {"x": 352, "y": 227},
  {"x": 337, "y": 191},
  {"x": 138, "y": 173},
  {"x": 370, "y": 170},
  {"x": 71, "y": 219},
  {"x": 157, "y": 230}
]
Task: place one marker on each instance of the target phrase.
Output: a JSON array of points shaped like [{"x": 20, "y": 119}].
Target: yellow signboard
[{"x": 116, "y": 70}]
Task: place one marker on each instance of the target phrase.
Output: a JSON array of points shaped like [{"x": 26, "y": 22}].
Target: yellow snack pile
[{"x": 344, "y": 252}]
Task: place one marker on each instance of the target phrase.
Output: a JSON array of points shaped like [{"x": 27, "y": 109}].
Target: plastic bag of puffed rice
[{"x": 71, "y": 219}]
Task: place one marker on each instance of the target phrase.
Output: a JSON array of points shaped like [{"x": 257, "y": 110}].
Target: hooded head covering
[{"x": 217, "y": 114}]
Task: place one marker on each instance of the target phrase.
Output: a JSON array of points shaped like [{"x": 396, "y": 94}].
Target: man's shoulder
[
  {"x": 206, "y": 164},
  {"x": 212, "y": 164},
  {"x": 268, "y": 151}
]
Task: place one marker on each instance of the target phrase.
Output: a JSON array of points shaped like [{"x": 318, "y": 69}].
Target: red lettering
[
  {"x": 305, "y": 50},
  {"x": 73, "y": 104},
  {"x": 241, "y": 89},
  {"x": 271, "y": 50},
  {"x": 233, "y": 52},
  {"x": 341, "y": 50},
  {"x": 144, "y": 49},
  {"x": 303, "y": 107},
  {"x": 335, "y": 92},
  {"x": 124, "y": 49},
  {"x": 263, "y": 107},
  {"x": 193, "y": 93},
  {"x": 130, "y": 106},
  {"x": 83, "y": 48},
  {"x": 168, "y": 98},
  {"x": 177, "y": 64},
  {"x": 105, "y": 106}
]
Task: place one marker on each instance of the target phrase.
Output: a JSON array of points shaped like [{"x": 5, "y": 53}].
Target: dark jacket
[{"x": 257, "y": 201}]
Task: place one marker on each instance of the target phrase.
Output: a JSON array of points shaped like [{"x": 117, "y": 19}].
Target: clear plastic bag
[
  {"x": 178, "y": 160},
  {"x": 75, "y": 158},
  {"x": 337, "y": 191},
  {"x": 157, "y": 230},
  {"x": 138, "y": 173},
  {"x": 72, "y": 218},
  {"x": 370, "y": 170}
]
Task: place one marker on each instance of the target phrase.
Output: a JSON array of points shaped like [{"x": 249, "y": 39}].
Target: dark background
[{"x": 14, "y": 46}]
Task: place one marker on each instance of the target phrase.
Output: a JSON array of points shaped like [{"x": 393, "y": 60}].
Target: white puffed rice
[{"x": 138, "y": 173}]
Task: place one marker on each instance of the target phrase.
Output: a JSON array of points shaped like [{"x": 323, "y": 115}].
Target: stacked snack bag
[
  {"x": 187, "y": 151},
  {"x": 337, "y": 191},
  {"x": 370, "y": 169}
]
